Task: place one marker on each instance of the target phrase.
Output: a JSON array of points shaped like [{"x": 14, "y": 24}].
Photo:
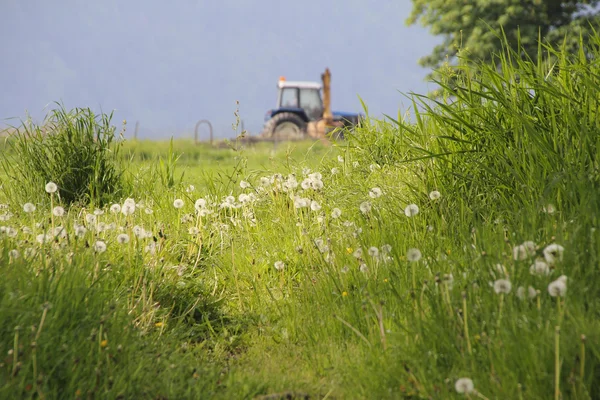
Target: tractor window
[
  {"x": 289, "y": 97},
  {"x": 310, "y": 101}
]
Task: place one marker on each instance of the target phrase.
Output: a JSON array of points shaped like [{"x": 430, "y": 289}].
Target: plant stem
[
  {"x": 557, "y": 363},
  {"x": 466, "y": 323}
]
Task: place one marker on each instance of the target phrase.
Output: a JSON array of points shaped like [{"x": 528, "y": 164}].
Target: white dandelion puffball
[
  {"x": 123, "y": 238},
  {"x": 340, "y": 159},
  {"x": 80, "y": 230},
  {"x": 98, "y": 211},
  {"x": 200, "y": 204},
  {"x": 178, "y": 203},
  {"x": 539, "y": 267},
  {"x": 99, "y": 246},
  {"x": 190, "y": 189},
  {"x": 524, "y": 251},
  {"x": 244, "y": 184},
  {"x": 413, "y": 255},
  {"x": 28, "y": 207},
  {"x": 336, "y": 213},
  {"x": 434, "y": 195},
  {"x": 502, "y": 286},
  {"x": 334, "y": 171},
  {"x": 279, "y": 265},
  {"x": 363, "y": 268},
  {"x": 365, "y": 207},
  {"x": 411, "y": 210},
  {"x": 386, "y": 248},
  {"x": 549, "y": 209},
  {"x": 375, "y": 193},
  {"x": 14, "y": 254},
  {"x": 464, "y": 385},
  {"x": 529, "y": 292},
  {"x": 374, "y": 252},
  {"x": 315, "y": 206},
  {"x": 58, "y": 211},
  {"x": 358, "y": 253},
  {"x": 553, "y": 253},
  {"x": 115, "y": 208},
  {"x": 51, "y": 187},
  {"x": 128, "y": 209},
  {"x": 558, "y": 287}
]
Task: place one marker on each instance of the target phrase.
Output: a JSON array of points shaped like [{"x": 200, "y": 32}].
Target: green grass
[{"x": 196, "y": 304}]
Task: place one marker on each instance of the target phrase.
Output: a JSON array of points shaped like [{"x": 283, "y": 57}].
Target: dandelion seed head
[
  {"x": 244, "y": 184},
  {"x": 336, "y": 213},
  {"x": 464, "y": 385},
  {"x": 411, "y": 210},
  {"x": 58, "y": 211},
  {"x": 365, "y": 207},
  {"x": 315, "y": 206},
  {"x": 373, "y": 252},
  {"x": 51, "y": 187},
  {"x": 279, "y": 265},
  {"x": 99, "y": 246},
  {"x": 14, "y": 254},
  {"x": 178, "y": 203},
  {"x": 434, "y": 195},
  {"x": 553, "y": 253},
  {"x": 334, "y": 171},
  {"x": 375, "y": 193},
  {"x": 502, "y": 286},
  {"x": 539, "y": 267},
  {"x": 413, "y": 255},
  {"x": 115, "y": 208},
  {"x": 358, "y": 253},
  {"x": 28, "y": 207},
  {"x": 558, "y": 288},
  {"x": 340, "y": 159},
  {"x": 123, "y": 238},
  {"x": 524, "y": 251}
]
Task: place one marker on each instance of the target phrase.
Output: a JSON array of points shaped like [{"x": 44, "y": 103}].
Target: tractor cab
[{"x": 301, "y": 96}]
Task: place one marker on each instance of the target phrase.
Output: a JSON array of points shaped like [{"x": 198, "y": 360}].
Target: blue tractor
[{"x": 301, "y": 112}]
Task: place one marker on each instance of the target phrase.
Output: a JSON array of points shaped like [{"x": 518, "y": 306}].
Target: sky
[{"x": 170, "y": 64}]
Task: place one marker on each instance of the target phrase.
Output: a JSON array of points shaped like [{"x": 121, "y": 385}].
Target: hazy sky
[{"x": 169, "y": 64}]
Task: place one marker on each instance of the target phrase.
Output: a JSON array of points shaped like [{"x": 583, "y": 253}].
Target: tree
[{"x": 472, "y": 25}]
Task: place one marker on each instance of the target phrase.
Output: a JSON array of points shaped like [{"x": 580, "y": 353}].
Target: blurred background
[{"x": 168, "y": 65}]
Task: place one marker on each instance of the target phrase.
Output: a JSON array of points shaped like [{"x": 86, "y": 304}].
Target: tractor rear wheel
[{"x": 285, "y": 126}]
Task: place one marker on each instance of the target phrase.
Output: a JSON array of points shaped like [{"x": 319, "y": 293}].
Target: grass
[{"x": 307, "y": 272}]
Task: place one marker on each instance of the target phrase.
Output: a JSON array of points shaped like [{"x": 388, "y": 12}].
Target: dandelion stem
[
  {"x": 466, "y": 323},
  {"x": 582, "y": 359},
  {"x": 15, "y": 351},
  {"x": 557, "y": 363},
  {"x": 37, "y": 335},
  {"x": 500, "y": 311}
]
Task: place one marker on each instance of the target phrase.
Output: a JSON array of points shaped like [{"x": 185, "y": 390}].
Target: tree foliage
[{"x": 472, "y": 25}]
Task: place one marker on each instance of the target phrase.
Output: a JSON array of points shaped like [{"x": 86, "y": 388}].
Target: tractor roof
[{"x": 299, "y": 84}]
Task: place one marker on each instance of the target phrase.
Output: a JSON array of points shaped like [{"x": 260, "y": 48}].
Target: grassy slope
[{"x": 206, "y": 314}]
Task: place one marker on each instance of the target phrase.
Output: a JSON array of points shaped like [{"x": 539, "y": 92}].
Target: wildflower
[
  {"x": 51, "y": 187},
  {"x": 524, "y": 251},
  {"x": 58, "y": 211},
  {"x": 14, "y": 254},
  {"x": 123, "y": 238},
  {"x": 315, "y": 206},
  {"x": 411, "y": 210},
  {"x": 200, "y": 204},
  {"x": 344, "y": 294},
  {"x": 374, "y": 252},
  {"x": 80, "y": 230},
  {"x": 99, "y": 246},
  {"x": 375, "y": 193},
  {"x": 334, "y": 171},
  {"x": 413, "y": 255},
  {"x": 358, "y": 253},
  {"x": 464, "y": 385},
  {"x": 558, "y": 287},
  {"x": 190, "y": 189},
  {"x": 115, "y": 208},
  {"x": 345, "y": 269},
  {"x": 279, "y": 265},
  {"x": 6, "y": 216},
  {"x": 549, "y": 209},
  {"x": 244, "y": 184},
  {"x": 434, "y": 195},
  {"x": 104, "y": 343},
  {"x": 28, "y": 207},
  {"x": 363, "y": 268},
  {"x": 502, "y": 286},
  {"x": 340, "y": 159},
  {"x": 43, "y": 238},
  {"x": 553, "y": 253},
  {"x": 539, "y": 267},
  {"x": 178, "y": 203},
  {"x": 531, "y": 292},
  {"x": 336, "y": 213},
  {"x": 365, "y": 207}
]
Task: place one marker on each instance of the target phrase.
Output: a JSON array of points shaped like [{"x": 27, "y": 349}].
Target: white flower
[
  {"x": 316, "y": 184},
  {"x": 358, "y": 253},
  {"x": 200, "y": 204},
  {"x": 244, "y": 184},
  {"x": 413, "y": 255},
  {"x": 531, "y": 292},
  {"x": 553, "y": 253},
  {"x": 340, "y": 159},
  {"x": 123, "y": 238},
  {"x": 315, "y": 206},
  {"x": 374, "y": 252},
  {"x": 90, "y": 218},
  {"x": 178, "y": 203},
  {"x": 80, "y": 230},
  {"x": 464, "y": 385},
  {"x": 58, "y": 211},
  {"x": 558, "y": 287},
  {"x": 14, "y": 254},
  {"x": 190, "y": 189},
  {"x": 539, "y": 267},
  {"x": 375, "y": 193},
  {"x": 99, "y": 246},
  {"x": 365, "y": 207},
  {"x": 434, "y": 195},
  {"x": 363, "y": 268},
  {"x": 28, "y": 207},
  {"x": 334, "y": 171},
  {"x": 411, "y": 210},
  {"x": 279, "y": 265},
  {"x": 502, "y": 286},
  {"x": 524, "y": 251},
  {"x": 128, "y": 209},
  {"x": 549, "y": 209},
  {"x": 115, "y": 208},
  {"x": 336, "y": 213},
  {"x": 51, "y": 187},
  {"x": 43, "y": 238}
]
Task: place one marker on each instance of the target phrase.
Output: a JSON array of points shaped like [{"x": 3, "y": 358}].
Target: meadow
[{"x": 452, "y": 254}]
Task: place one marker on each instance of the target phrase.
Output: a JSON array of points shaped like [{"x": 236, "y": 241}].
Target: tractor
[{"x": 302, "y": 113}]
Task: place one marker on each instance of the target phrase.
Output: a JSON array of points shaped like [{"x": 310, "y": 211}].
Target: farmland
[{"x": 454, "y": 255}]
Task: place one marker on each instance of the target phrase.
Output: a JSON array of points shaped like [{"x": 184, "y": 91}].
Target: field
[{"x": 455, "y": 256}]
